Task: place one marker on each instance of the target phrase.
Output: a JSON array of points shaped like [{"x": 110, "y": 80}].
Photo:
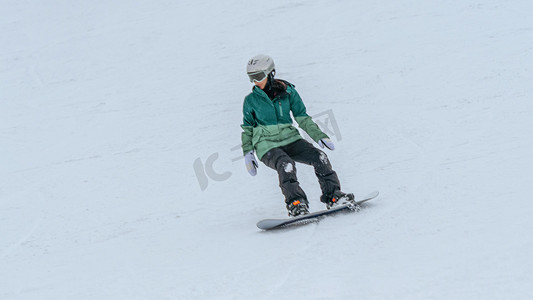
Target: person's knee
[
  {"x": 286, "y": 165},
  {"x": 320, "y": 158}
]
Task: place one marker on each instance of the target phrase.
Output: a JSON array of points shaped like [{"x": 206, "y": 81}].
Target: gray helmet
[{"x": 259, "y": 67}]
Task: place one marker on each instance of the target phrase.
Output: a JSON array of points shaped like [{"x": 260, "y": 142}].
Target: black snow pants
[{"x": 282, "y": 159}]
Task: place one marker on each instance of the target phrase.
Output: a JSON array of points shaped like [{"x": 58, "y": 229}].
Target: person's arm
[
  {"x": 303, "y": 119},
  {"x": 246, "y": 138},
  {"x": 247, "y": 127}
]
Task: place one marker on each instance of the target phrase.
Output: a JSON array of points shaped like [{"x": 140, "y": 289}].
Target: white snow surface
[{"x": 119, "y": 129}]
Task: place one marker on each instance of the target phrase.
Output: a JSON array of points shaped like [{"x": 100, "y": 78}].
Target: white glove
[
  {"x": 251, "y": 163},
  {"x": 326, "y": 143}
]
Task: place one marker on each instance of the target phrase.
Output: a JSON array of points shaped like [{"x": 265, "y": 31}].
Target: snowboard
[{"x": 268, "y": 224}]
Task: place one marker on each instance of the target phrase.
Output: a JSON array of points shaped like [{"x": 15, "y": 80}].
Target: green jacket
[{"x": 267, "y": 124}]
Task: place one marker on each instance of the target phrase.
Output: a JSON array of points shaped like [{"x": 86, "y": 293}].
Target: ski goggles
[{"x": 257, "y": 76}]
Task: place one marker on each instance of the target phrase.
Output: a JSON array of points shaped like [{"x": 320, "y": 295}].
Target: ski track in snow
[
  {"x": 122, "y": 176},
  {"x": 25, "y": 237}
]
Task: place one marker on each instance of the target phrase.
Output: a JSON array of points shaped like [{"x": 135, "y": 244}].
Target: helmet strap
[{"x": 272, "y": 74}]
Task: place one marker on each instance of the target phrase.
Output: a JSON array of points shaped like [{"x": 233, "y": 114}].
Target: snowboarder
[{"x": 268, "y": 131}]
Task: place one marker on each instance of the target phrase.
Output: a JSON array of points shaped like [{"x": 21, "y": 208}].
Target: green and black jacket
[{"x": 267, "y": 124}]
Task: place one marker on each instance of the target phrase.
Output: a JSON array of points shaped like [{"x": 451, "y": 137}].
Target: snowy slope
[{"x": 119, "y": 169}]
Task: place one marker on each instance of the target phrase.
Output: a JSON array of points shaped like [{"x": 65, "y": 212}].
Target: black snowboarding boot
[
  {"x": 297, "y": 207},
  {"x": 337, "y": 198}
]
